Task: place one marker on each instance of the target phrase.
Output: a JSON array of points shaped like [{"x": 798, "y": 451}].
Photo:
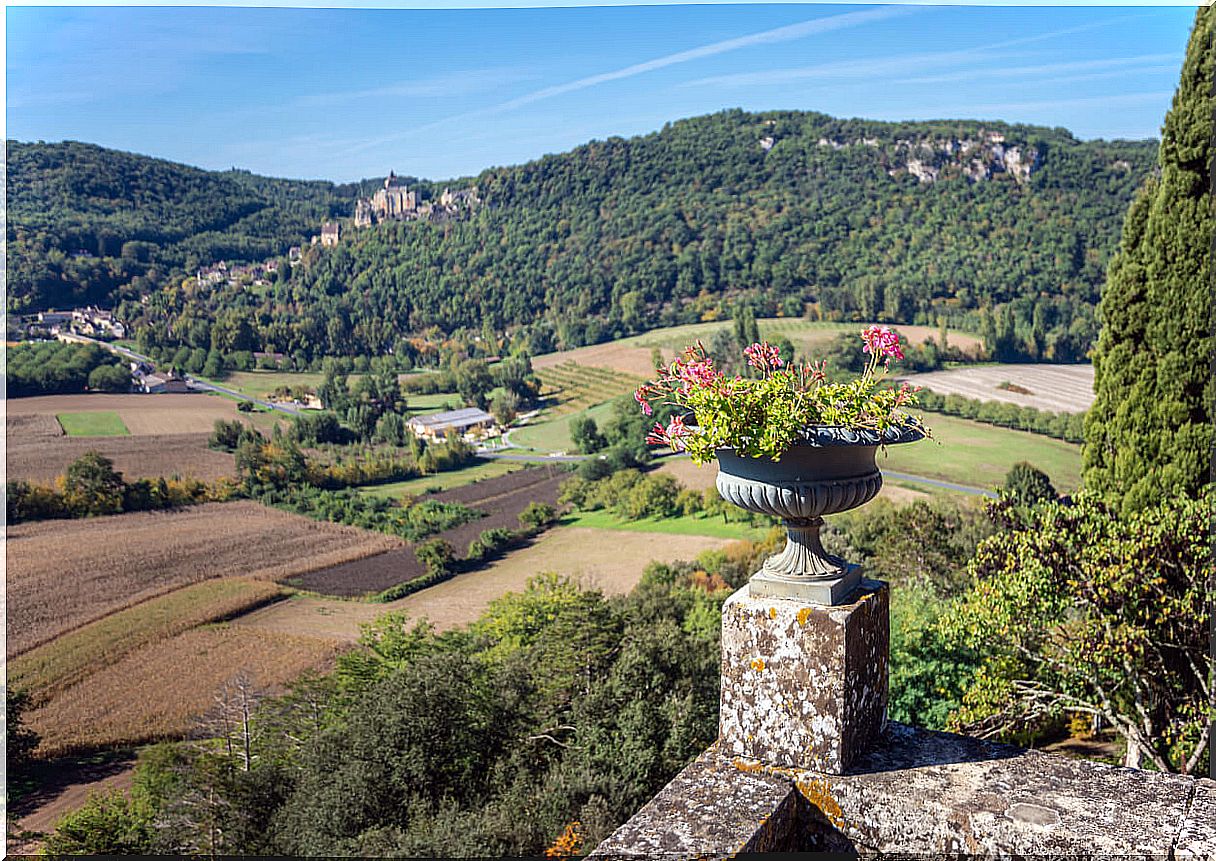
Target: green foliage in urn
[
  {"x": 1149, "y": 433},
  {"x": 763, "y": 414},
  {"x": 1077, "y": 610}
]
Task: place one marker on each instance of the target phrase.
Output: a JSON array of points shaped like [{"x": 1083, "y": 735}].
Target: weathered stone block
[
  {"x": 712, "y": 810},
  {"x": 804, "y": 685}
]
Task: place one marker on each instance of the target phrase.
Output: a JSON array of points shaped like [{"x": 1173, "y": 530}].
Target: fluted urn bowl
[{"x": 827, "y": 471}]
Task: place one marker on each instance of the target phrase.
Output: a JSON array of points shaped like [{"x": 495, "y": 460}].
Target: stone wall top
[{"x": 918, "y": 791}]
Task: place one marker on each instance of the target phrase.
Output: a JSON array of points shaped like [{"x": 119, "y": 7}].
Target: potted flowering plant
[{"x": 790, "y": 444}]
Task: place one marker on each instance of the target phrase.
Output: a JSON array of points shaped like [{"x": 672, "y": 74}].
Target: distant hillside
[
  {"x": 902, "y": 221},
  {"x": 86, "y": 224}
]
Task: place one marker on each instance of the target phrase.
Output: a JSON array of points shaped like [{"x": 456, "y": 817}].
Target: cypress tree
[{"x": 1148, "y": 435}]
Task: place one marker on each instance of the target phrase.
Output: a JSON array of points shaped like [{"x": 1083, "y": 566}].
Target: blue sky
[{"x": 342, "y": 94}]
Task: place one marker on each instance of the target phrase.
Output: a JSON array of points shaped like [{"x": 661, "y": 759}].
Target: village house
[
  {"x": 329, "y": 233},
  {"x": 162, "y": 383},
  {"x": 470, "y": 423}
]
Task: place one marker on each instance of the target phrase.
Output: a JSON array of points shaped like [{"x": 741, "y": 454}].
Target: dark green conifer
[{"x": 1149, "y": 433}]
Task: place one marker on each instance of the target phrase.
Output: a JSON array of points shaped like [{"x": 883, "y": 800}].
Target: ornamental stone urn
[{"x": 827, "y": 471}]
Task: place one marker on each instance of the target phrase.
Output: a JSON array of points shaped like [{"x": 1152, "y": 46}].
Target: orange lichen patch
[
  {"x": 748, "y": 767},
  {"x": 803, "y": 615},
  {"x": 758, "y": 665},
  {"x": 772, "y": 612},
  {"x": 819, "y": 794}
]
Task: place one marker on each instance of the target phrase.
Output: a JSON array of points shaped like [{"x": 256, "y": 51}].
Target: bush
[
  {"x": 537, "y": 515},
  {"x": 227, "y": 435},
  {"x": 20, "y": 739},
  {"x": 1025, "y": 484},
  {"x": 109, "y": 823},
  {"x": 437, "y": 555}
]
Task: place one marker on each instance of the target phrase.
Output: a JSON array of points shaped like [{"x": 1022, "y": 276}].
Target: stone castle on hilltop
[{"x": 395, "y": 202}]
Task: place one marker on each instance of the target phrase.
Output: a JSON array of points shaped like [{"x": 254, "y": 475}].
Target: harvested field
[
  {"x": 142, "y": 414},
  {"x": 1055, "y": 388},
  {"x": 501, "y": 499},
  {"x": 683, "y": 470},
  {"x": 69, "y": 659},
  {"x": 486, "y": 491},
  {"x": 609, "y": 560},
  {"x": 66, "y": 573},
  {"x": 363, "y": 577},
  {"x": 38, "y": 426},
  {"x": 633, "y": 355},
  {"x": 157, "y": 692},
  {"x": 33, "y": 457},
  {"x": 621, "y": 356}
]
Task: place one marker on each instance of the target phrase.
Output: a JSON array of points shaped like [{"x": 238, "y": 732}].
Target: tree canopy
[
  {"x": 1149, "y": 433},
  {"x": 611, "y": 238}
]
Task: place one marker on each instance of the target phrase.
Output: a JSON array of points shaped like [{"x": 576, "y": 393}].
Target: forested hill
[
  {"x": 902, "y": 221},
  {"x": 87, "y": 224}
]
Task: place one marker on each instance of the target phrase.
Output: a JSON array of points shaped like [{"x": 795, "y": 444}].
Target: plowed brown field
[
  {"x": 142, "y": 414},
  {"x": 65, "y": 573},
  {"x": 41, "y": 458},
  {"x": 501, "y": 499},
  {"x": 609, "y": 560}
]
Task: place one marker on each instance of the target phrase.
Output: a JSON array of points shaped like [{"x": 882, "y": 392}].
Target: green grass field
[
  {"x": 92, "y": 424},
  {"x": 433, "y": 403},
  {"x": 554, "y": 435},
  {"x": 480, "y": 471},
  {"x": 979, "y": 455},
  {"x": 712, "y": 527},
  {"x": 259, "y": 384}
]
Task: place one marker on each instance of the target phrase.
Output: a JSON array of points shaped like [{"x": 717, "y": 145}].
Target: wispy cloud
[
  {"x": 843, "y": 69},
  {"x": 1048, "y": 68},
  {"x": 457, "y": 83},
  {"x": 892, "y": 66},
  {"x": 1006, "y": 110},
  {"x": 767, "y": 37}
]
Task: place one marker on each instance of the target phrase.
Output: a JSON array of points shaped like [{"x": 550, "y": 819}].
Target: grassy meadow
[
  {"x": 980, "y": 455},
  {"x": 479, "y": 471},
  {"x": 697, "y": 524},
  {"x": 92, "y": 424}
]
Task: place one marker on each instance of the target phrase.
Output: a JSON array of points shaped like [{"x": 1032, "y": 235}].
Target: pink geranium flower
[
  {"x": 763, "y": 356},
  {"x": 883, "y": 342}
]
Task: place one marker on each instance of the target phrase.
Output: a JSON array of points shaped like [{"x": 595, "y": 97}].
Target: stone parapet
[{"x": 917, "y": 791}]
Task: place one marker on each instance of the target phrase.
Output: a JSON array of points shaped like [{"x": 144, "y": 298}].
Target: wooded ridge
[{"x": 905, "y": 222}]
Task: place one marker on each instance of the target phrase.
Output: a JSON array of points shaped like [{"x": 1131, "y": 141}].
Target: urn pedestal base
[
  {"x": 803, "y": 571},
  {"x": 804, "y": 685}
]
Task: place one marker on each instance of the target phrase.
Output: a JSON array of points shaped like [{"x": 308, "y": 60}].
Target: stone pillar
[{"x": 804, "y": 685}]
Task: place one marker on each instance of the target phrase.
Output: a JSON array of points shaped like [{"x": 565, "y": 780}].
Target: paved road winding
[{"x": 194, "y": 382}]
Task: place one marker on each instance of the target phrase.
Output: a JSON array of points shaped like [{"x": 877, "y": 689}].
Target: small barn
[{"x": 462, "y": 422}]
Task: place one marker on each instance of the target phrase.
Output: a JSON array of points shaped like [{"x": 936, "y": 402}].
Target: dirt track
[{"x": 609, "y": 560}]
